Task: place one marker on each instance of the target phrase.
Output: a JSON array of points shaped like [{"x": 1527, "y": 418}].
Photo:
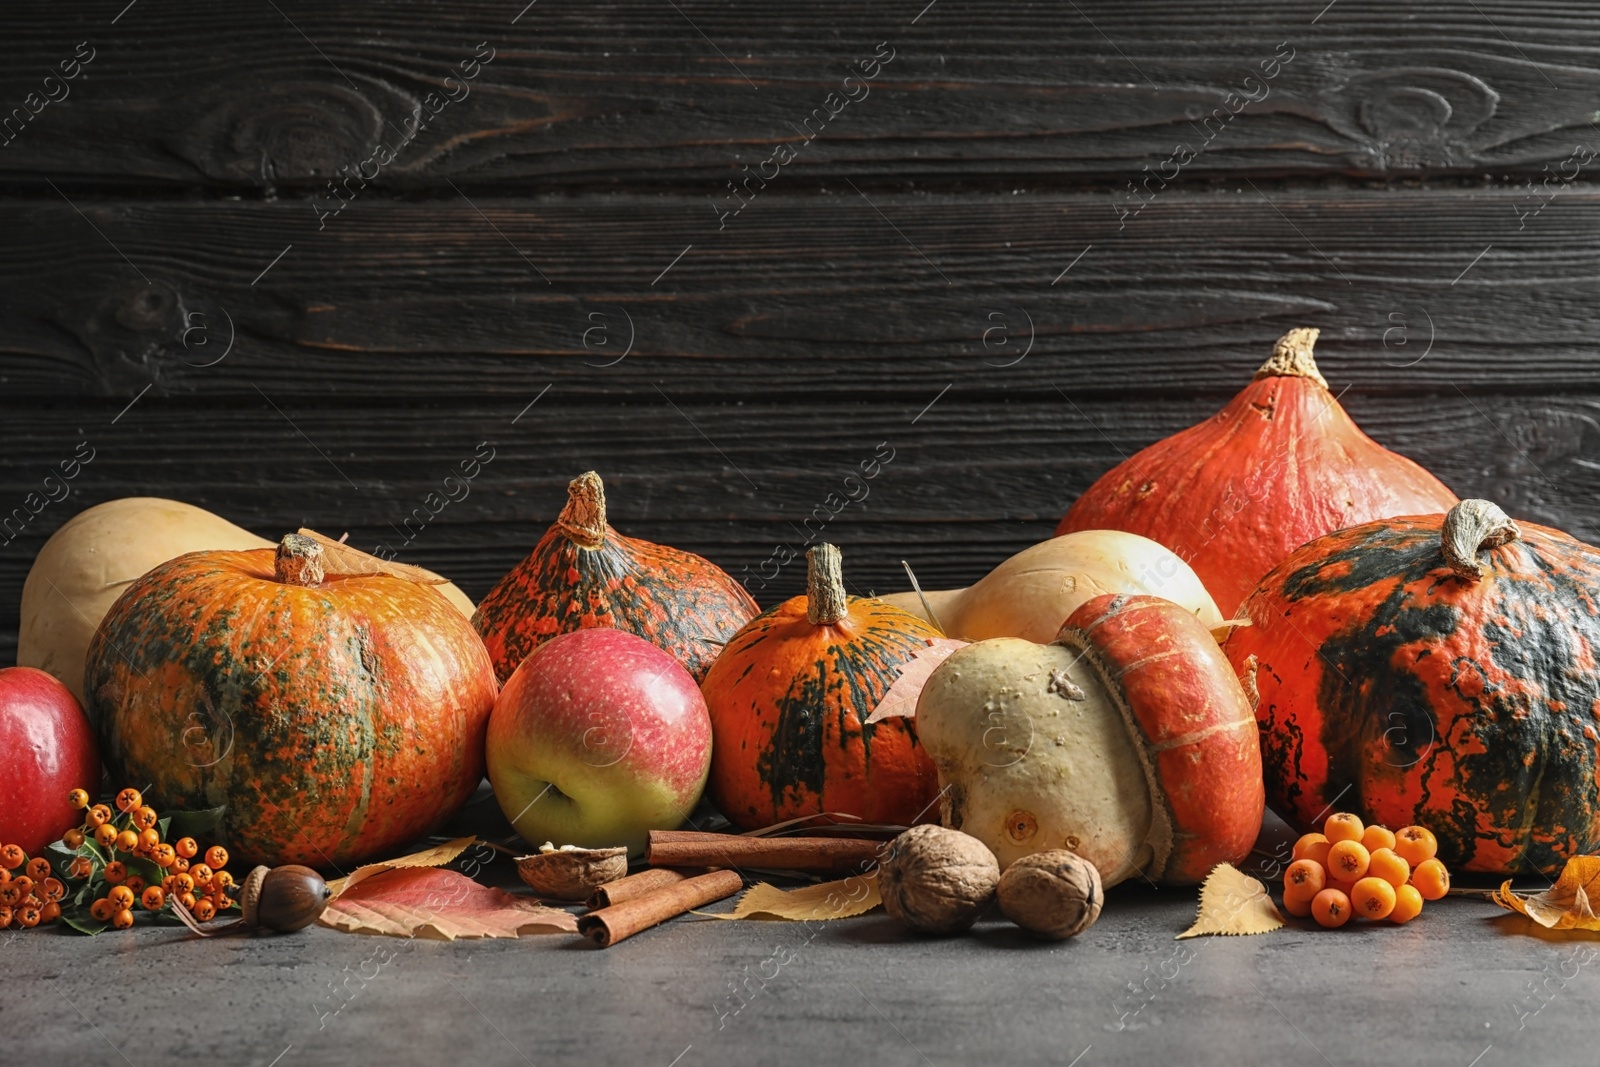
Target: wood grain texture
[
  {"x": 183, "y": 291},
  {"x": 889, "y": 296},
  {"x": 270, "y": 99},
  {"x": 966, "y": 483}
]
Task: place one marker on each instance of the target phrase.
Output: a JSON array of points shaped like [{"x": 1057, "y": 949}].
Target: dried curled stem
[
  {"x": 826, "y": 601},
  {"x": 1470, "y": 527},
  {"x": 1291, "y": 356},
  {"x": 584, "y": 518},
  {"x": 299, "y": 561}
]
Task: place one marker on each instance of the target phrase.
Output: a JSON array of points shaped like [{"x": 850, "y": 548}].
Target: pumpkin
[
  {"x": 1126, "y": 740},
  {"x": 337, "y": 717},
  {"x": 583, "y": 573},
  {"x": 1438, "y": 671},
  {"x": 789, "y": 698},
  {"x": 1031, "y": 594},
  {"x": 95, "y": 555},
  {"x": 1280, "y": 465}
]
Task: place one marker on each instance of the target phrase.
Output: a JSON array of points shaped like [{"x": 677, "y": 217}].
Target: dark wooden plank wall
[{"x": 1070, "y": 228}]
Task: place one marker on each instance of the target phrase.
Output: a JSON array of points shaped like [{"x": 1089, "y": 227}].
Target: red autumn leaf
[{"x": 441, "y": 905}]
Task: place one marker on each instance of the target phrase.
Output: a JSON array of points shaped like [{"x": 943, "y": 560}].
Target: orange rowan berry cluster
[
  {"x": 30, "y": 894},
  {"x": 1355, "y": 871},
  {"x": 121, "y": 862}
]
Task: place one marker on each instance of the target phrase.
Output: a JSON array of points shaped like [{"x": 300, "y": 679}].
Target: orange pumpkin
[
  {"x": 583, "y": 573},
  {"x": 1280, "y": 465},
  {"x": 789, "y": 698},
  {"x": 1435, "y": 670},
  {"x": 336, "y": 716}
]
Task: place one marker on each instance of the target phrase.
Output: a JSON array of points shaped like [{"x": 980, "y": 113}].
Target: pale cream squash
[
  {"x": 1025, "y": 768},
  {"x": 1127, "y": 741}
]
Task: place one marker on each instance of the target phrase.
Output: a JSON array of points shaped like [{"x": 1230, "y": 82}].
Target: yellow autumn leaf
[
  {"x": 1232, "y": 902},
  {"x": 437, "y": 856},
  {"x": 855, "y": 895},
  {"x": 1567, "y": 905}
]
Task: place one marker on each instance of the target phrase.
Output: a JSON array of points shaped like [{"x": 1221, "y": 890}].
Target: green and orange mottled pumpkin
[
  {"x": 583, "y": 573},
  {"x": 789, "y": 698},
  {"x": 337, "y": 716},
  {"x": 1441, "y": 670}
]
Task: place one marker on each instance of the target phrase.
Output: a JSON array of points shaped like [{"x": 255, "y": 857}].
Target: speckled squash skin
[
  {"x": 583, "y": 573},
  {"x": 1395, "y": 687},
  {"x": 1279, "y": 465},
  {"x": 337, "y": 720},
  {"x": 789, "y": 698}
]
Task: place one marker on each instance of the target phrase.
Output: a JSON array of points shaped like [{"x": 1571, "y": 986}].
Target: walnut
[
  {"x": 1053, "y": 895},
  {"x": 570, "y": 873},
  {"x": 937, "y": 880}
]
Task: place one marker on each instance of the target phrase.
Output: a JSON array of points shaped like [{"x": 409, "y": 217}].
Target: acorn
[{"x": 283, "y": 899}]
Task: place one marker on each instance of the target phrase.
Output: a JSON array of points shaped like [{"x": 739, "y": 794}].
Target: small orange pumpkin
[{"x": 789, "y": 698}]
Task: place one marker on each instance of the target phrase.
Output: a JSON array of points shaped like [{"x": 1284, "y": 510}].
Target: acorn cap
[{"x": 250, "y": 896}]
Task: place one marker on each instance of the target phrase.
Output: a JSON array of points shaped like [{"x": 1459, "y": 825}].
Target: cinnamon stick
[
  {"x": 633, "y": 886},
  {"x": 824, "y": 855},
  {"x": 621, "y": 921}
]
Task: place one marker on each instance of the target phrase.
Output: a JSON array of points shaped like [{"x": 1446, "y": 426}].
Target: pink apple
[
  {"x": 47, "y": 750},
  {"x": 598, "y": 737}
]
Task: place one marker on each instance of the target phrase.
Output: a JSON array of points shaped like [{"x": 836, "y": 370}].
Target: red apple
[
  {"x": 47, "y": 750},
  {"x": 598, "y": 737}
]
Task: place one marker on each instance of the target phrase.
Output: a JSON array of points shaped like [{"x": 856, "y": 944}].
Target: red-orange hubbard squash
[
  {"x": 1279, "y": 465},
  {"x": 789, "y": 698}
]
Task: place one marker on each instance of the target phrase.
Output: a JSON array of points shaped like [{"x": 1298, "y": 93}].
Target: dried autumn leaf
[
  {"x": 1232, "y": 902},
  {"x": 340, "y": 558},
  {"x": 855, "y": 895},
  {"x": 439, "y": 905},
  {"x": 901, "y": 699},
  {"x": 1567, "y": 905},
  {"x": 437, "y": 856}
]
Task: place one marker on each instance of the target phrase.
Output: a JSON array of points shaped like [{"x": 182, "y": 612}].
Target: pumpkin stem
[
  {"x": 583, "y": 520},
  {"x": 1469, "y": 527},
  {"x": 826, "y": 601},
  {"x": 1291, "y": 357},
  {"x": 299, "y": 561}
]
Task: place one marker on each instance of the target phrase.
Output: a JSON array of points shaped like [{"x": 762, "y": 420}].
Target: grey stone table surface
[{"x": 1465, "y": 984}]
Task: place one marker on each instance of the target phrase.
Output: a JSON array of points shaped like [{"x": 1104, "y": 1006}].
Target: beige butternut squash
[{"x": 1031, "y": 594}]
